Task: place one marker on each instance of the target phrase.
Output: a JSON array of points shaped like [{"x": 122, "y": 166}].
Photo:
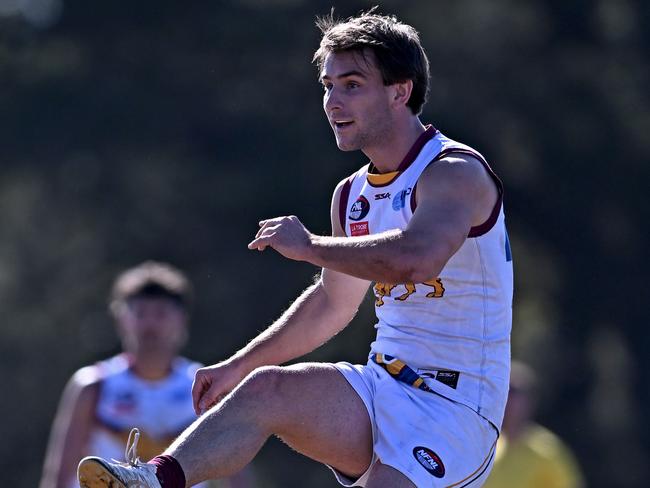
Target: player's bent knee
[
  {"x": 276, "y": 391},
  {"x": 264, "y": 382}
]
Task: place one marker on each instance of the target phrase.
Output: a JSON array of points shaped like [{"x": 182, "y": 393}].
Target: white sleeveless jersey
[
  {"x": 455, "y": 330},
  {"x": 160, "y": 409}
]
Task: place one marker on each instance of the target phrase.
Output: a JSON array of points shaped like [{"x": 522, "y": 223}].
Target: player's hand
[
  {"x": 287, "y": 235},
  {"x": 212, "y": 383}
]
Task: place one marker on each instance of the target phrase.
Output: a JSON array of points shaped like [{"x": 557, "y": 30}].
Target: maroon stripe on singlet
[
  {"x": 343, "y": 202},
  {"x": 484, "y": 228},
  {"x": 429, "y": 133}
]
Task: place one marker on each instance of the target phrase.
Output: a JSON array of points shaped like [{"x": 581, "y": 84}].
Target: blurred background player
[
  {"x": 529, "y": 455},
  {"x": 147, "y": 385}
]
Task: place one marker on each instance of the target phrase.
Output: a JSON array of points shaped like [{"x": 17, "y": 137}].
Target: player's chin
[{"x": 344, "y": 145}]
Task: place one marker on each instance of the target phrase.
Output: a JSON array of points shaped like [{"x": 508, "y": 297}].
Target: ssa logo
[
  {"x": 429, "y": 461},
  {"x": 360, "y": 208}
]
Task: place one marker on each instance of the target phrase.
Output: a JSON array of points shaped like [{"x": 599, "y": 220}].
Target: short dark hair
[
  {"x": 152, "y": 279},
  {"x": 396, "y": 45}
]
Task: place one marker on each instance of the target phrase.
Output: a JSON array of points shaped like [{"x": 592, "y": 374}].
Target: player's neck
[
  {"x": 388, "y": 155},
  {"x": 151, "y": 369}
]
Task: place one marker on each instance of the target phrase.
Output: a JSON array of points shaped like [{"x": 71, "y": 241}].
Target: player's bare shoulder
[
  {"x": 462, "y": 178},
  {"x": 463, "y": 171},
  {"x": 85, "y": 381}
]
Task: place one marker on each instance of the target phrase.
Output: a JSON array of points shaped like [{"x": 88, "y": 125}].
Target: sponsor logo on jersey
[
  {"x": 381, "y": 196},
  {"x": 359, "y": 229},
  {"x": 429, "y": 461},
  {"x": 399, "y": 200},
  {"x": 360, "y": 208},
  {"x": 122, "y": 403}
]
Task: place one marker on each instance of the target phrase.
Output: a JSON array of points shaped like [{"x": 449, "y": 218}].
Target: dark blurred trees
[{"x": 166, "y": 130}]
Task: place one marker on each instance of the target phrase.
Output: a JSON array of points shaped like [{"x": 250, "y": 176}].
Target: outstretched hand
[
  {"x": 287, "y": 235},
  {"x": 212, "y": 383}
]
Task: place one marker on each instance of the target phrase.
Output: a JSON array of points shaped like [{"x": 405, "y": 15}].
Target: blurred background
[{"x": 165, "y": 130}]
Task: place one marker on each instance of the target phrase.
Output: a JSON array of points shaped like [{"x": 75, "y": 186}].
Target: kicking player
[{"x": 424, "y": 222}]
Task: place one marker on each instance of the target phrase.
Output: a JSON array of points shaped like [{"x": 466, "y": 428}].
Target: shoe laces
[{"x": 131, "y": 451}]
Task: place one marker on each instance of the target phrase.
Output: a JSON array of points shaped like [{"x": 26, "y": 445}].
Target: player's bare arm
[
  {"x": 321, "y": 311},
  {"x": 453, "y": 194},
  {"x": 66, "y": 444}
]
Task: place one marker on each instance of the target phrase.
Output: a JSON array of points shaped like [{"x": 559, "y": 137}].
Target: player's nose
[{"x": 332, "y": 102}]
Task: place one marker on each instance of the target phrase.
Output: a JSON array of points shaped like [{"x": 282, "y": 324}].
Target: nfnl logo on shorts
[
  {"x": 429, "y": 461},
  {"x": 360, "y": 208},
  {"x": 359, "y": 229}
]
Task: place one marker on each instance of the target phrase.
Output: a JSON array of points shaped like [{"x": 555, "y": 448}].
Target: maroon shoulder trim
[
  {"x": 343, "y": 202},
  {"x": 484, "y": 228}
]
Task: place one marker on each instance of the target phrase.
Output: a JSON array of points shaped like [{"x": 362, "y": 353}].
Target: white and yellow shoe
[{"x": 95, "y": 472}]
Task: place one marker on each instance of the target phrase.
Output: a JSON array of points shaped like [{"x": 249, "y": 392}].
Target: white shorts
[{"x": 433, "y": 441}]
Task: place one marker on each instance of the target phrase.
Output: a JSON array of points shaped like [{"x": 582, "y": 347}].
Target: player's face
[
  {"x": 356, "y": 101},
  {"x": 153, "y": 325}
]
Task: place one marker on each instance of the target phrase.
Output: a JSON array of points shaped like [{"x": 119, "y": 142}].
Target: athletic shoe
[{"x": 95, "y": 472}]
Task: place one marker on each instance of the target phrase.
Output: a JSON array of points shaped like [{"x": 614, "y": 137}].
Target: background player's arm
[
  {"x": 453, "y": 195},
  {"x": 318, "y": 314},
  {"x": 70, "y": 429}
]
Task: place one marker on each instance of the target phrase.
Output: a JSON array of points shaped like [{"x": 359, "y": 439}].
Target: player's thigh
[
  {"x": 314, "y": 409},
  {"x": 382, "y": 476}
]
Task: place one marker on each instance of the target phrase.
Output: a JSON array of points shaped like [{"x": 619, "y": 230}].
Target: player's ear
[{"x": 402, "y": 92}]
